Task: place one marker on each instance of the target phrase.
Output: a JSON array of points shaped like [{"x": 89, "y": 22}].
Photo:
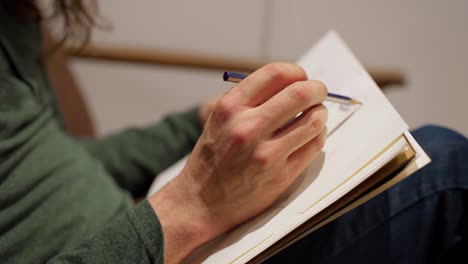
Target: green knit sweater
[{"x": 65, "y": 200}]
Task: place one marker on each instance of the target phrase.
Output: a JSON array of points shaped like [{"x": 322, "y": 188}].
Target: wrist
[{"x": 183, "y": 224}]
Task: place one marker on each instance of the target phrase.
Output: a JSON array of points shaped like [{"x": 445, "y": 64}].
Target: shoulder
[
  {"x": 19, "y": 51},
  {"x": 17, "y": 101}
]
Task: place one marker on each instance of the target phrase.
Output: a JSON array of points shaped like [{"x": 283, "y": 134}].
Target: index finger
[{"x": 267, "y": 81}]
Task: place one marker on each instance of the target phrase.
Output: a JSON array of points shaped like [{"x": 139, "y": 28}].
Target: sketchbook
[{"x": 369, "y": 148}]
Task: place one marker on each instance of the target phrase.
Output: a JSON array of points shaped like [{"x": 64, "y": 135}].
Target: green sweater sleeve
[
  {"x": 133, "y": 237},
  {"x": 135, "y": 156},
  {"x": 56, "y": 200}
]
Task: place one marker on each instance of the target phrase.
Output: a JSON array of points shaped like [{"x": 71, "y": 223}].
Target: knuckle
[
  {"x": 222, "y": 110},
  {"x": 264, "y": 114},
  {"x": 240, "y": 136},
  {"x": 276, "y": 71},
  {"x": 282, "y": 72},
  {"x": 300, "y": 92},
  {"x": 244, "y": 133},
  {"x": 264, "y": 156},
  {"x": 315, "y": 124},
  {"x": 318, "y": 118},
  {"x": 262, "y": 159}
]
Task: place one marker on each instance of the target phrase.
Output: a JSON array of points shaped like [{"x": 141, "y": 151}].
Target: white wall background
[{"x": 427, "y": 39}]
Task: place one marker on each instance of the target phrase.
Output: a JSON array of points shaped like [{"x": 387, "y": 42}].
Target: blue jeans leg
[{"x": 422, "y": 219}]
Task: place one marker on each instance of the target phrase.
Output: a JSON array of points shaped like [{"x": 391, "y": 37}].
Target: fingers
[
  {"x": 292, "y": 100},
  {"x": 257, "y": 88},
  {"x": 303, "y": 156},
  {"x": 302, "y": 130},
  {"x": 268, "y": 81},
  {"x": 267, "y": 99}
]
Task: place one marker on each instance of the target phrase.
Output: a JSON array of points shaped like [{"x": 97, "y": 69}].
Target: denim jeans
[{"x": 422, "y": 219}]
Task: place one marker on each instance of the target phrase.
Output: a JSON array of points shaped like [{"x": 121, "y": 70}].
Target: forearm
[
  {"x": 133, "y": 237},
  {"x": 182, "y": 219},
  {"x": 135, "y": 156}
]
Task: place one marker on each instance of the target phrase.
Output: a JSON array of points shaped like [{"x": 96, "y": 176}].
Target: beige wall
[{"x": 427, "y": 39}]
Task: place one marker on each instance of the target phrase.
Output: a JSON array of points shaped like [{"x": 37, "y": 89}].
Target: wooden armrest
[
  {"x": 382, "y": 76},
  {"x": 75, "y": 111}
]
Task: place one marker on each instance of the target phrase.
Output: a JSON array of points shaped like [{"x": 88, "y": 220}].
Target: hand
[
  {"x": 244, "y": 159},
  {"x": 206, "y": 108}
]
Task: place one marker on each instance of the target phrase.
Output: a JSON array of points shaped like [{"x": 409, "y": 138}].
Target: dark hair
[{"x": 77, "y": 17}]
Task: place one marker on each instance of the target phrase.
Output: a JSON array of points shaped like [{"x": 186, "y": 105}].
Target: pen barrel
[
  {"x": 237, "y": 77},
  {"x": 339, "y": 97}
]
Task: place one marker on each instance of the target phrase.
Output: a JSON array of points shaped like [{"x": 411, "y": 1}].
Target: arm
[
  {"x": 243, "y": 151},
  {"x": 133, "y": 237},
  {"x": 134, "y": 156},
  {"x": 53, "y": 196},
  {"x": 240, "y": 154}
]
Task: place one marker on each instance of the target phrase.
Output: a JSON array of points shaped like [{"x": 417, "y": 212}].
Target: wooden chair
[{"x": 78, "y": 120}]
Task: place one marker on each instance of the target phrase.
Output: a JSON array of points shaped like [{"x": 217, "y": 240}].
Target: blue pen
[{"x": 237, "y": 77}]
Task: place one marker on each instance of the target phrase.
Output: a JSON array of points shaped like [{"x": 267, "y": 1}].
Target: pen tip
[{"x": 354, "y": 101}]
